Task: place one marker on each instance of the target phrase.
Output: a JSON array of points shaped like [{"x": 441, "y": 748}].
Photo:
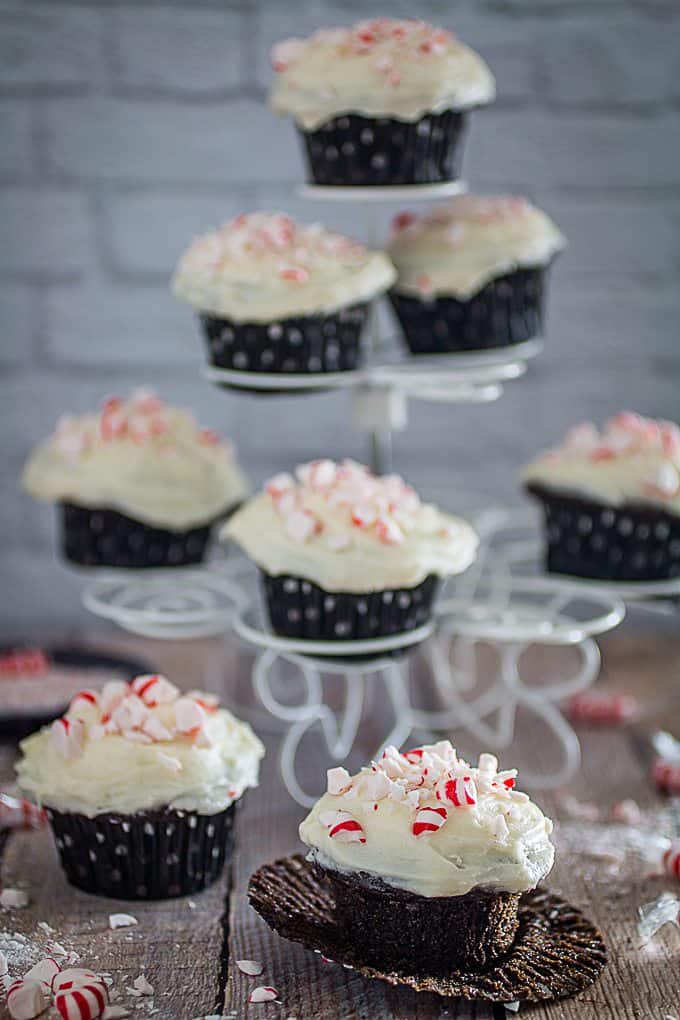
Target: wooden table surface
[{"x": 187, "y": 947}]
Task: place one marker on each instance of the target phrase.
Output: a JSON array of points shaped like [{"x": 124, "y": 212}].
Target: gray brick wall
[{"x": 127, "y": 127}]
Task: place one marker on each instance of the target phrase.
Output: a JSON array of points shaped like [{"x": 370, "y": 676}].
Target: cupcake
[
  {"x": 140, "y": 785},
  {"x": 274, "y": 295},
  {"x": 472, "y": 273},
  {"x": 426, "y": 858},
  {"x": 138, "y": 484},
  {"x": 347, "y": 555},
  {"x": 381, "y": 103},
  {"x": 611, "y": 500}
]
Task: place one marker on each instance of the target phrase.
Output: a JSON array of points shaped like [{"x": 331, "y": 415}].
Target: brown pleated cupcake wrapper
[
  {"x": 303, "y": 344},
  {"x": 298, "y": 608},
  {"x": 508, "y": 310},
  {"x": 379, "y": 151},
  {"x": 145, "y": 856},
  {"x": 100, "y": 537},
  {"x": 586, "y": 538},
  {"x": 557, "y": 952}
]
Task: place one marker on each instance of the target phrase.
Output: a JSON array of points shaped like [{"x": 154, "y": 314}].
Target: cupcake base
[
  {"x": 395, "y": 929},
  {"x": 100, "y": 537},
  {"x": 509, "y": 310},
  {"x": 301, "y": 609},
  {"x": 303, "y": 344},
  {"x": 557, "y": 952},
  {"x": 145, "y": 856},
  {"x": 586, "y": 538},
  {"x": 377, "y": 151}
]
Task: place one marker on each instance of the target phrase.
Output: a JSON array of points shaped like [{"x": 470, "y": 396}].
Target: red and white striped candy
[
  {"x": 338, "y": 780},
  {"x": 23, "y": 662},
  {"x": 671, "y": 859},
  {"x": 364, "y": 516},
  {"x": 67, "y": 737},
  {"x": 74, "y": 977},
  {"x": 428, "y": 820},
  {"x": 27, "y": 999},
  {"x": 666, "y": 775},
  {"x": 111, "y": 695},
  {"x": 388, "y": 531},
  {"x": 460, "y": 792},
  {"x": 414, "y": 755},
  {"x": 322, "y": 474},
  {"x": 343, "y": 827},
  {"x": 83, "y": 1002},
  {"x": 154, "y": 690},
  {"x": 83, "y": 700},
  {"x": 189, "y": 716},
  {"x": 296, "y": 274},
  {"x": 279, "y": 484},
  {"x": 265, "y": 993},
  {"x": 301, "y": 525},
  {"x": 45, "y": 971},
  {"x": 601, "y": 707},
  {"x": 17, "y": 813},
  {"x": 130, "y": 713}
]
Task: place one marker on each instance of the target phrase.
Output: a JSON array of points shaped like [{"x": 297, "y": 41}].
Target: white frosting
[
  {"x": 377, "y": 68},
  {"x": 458, "y": 247},
  {"x": 631, "y": 460},
  {"x": 264, "y": 266},
  {"x": 141, "y": 458},
  {"x": 428, "y": 822},
  {"x": 347, "y": 530},
  {"x": 118, "y": 751}
]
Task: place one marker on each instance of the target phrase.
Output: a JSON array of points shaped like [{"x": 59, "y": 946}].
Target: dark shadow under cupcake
[{"x": 508, "y": 310}]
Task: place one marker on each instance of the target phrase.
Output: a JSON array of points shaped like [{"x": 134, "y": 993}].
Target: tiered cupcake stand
[{"x": 503, "y": 600}]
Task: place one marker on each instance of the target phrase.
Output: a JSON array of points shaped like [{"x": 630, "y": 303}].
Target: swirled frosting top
[
  {"x": 264, "y": 266},
  {"x": 140, "y": 457},
  {"x": 456, "y": 248},
  {"x": 429, "y": 822},
  {"x": 378, "y": 68},
  {"x": 346, "y": 529},
  {"x": 632, "y": 459},
  {"x": 138, "y": 746}
]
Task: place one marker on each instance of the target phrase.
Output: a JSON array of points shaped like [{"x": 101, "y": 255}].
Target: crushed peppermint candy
[
  {"x": 149, "y": 710},
  {"x": 628, "y": 434},
  {"x": 431, "y": 781},
  {"x": 13, "y": 899},
  {"x": 264, "y": 993},
  {"x": 122, "y": 921},
  {"x": 354, "y": 500},
  {"x": 602, "y": 708},
  {"x": 250, "y": 967}
]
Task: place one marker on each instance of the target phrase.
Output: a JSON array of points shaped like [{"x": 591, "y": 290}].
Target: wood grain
[{"x": 189, "y": 954}]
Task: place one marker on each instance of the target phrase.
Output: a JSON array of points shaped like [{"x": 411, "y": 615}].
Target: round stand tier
[{"x": 382, "y": 192}]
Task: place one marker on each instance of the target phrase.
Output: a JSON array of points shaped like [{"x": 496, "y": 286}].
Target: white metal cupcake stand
[{"x": 504, "y": 601}]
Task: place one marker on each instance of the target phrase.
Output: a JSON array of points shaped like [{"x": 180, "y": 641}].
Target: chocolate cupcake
[
  {"x": 346, "y": 555},
  {"x": 384, "y": 102},
  {"x": 472, "y": 273},
  {"x": 138, "y": 484},
  {"x": 426, "y": 858},
  {"x": 611, "y": 500},
  {"x": 275, "y": 296},
  {"x": 140, "y": 785}
]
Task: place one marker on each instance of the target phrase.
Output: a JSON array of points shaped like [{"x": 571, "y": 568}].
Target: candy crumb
[
  {"x": 250, "y": 967},
  {"x": 512, "y": 1007},
  {"x": 264, "y": 993},
  {"x": 13, "y": 899},
  {"x": 121, "y": 921}
]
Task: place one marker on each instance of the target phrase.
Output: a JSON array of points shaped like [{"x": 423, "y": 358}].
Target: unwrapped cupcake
[
  {"x": 139, "y": 484},
  {"x": 383, "y": 102},
  {"x": 426, "y": 858},
  {"x": 472, "y": 273},
  {"x": 140, "y": 783},
  {"x": 345, "y": 554},
  {"x": 611, "y": 500},
  {"x": 278, "y": 296}
]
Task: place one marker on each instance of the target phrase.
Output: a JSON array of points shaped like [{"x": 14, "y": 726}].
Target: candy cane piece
[
  {"x": 671, "y": 859},
  {"x": 67, "y": 737},
  {"x": 460, "y": 792},
  {"x": 342, "y": 826},
  {"x": 429, "y": 819},
  {"x": 84, "y": 1002},
  {"x": 27, "y": 999},
  {"x": 265, "y": 993},
  {"x": 154, "y": 690}
]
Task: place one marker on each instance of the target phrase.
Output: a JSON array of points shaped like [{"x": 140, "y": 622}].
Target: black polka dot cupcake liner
[
  {"x": 151, "y": 855},
  {"x": 369, "y": 151},
  {"x": 470, "y": 931},
  {"x": 509, "y": 310},
  {"x": 586, "y": 538},
  {"x": 100, "y": 537},
  {"x": 306, "y": 343},
  {"x": 300, "y": 609}
]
